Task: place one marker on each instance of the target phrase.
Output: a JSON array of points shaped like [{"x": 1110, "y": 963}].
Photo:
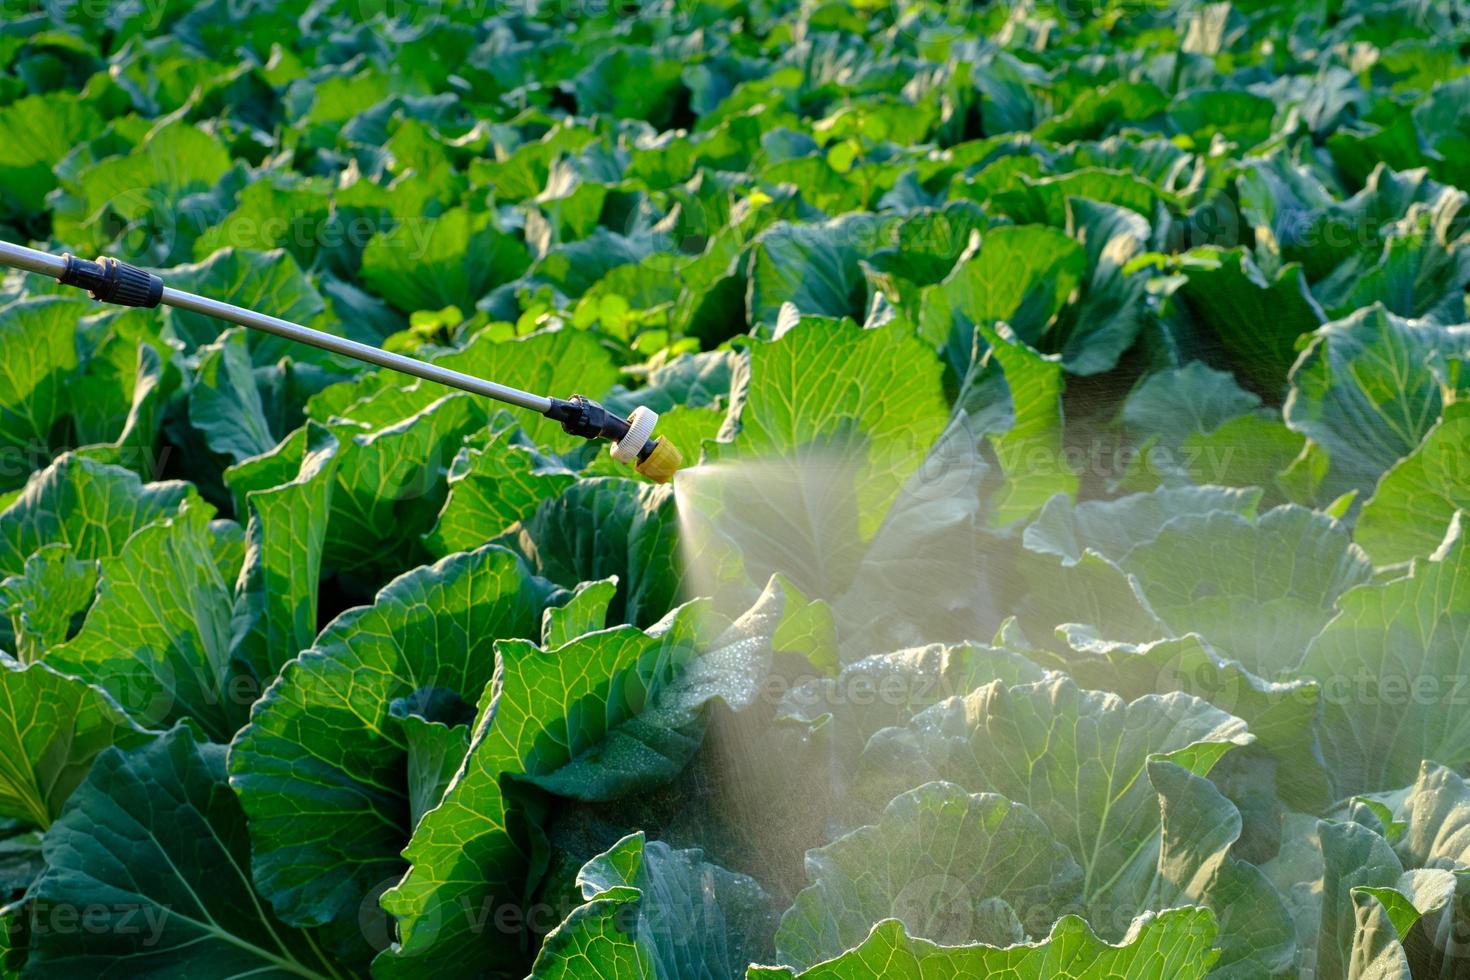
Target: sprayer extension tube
[{"x": 111, "y": 281}]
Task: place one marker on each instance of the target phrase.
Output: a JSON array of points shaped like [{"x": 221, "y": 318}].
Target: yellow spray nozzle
[
  {"x": 662, "y": 463},
  {"x": 656, "y": 459}
]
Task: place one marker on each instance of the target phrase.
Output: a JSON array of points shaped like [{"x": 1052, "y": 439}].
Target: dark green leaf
[{"x": 154, "y": 847}]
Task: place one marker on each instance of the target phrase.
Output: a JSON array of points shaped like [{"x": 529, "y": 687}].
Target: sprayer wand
[{"x": 111, "y": 281}]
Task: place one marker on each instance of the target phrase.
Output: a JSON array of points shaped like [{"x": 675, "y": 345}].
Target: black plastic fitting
[
  {"x": 111, "y": 281},
  {"x": 581, "y": 416}
]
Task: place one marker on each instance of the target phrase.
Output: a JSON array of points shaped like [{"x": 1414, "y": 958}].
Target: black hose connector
[
  {"x": 111, "y": 281},
  {"x": 581, "y": 416}
]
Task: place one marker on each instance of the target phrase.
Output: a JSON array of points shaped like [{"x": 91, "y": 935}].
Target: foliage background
[{"x": 1075, "y": 584}]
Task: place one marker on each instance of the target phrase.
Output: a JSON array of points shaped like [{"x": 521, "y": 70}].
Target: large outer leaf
[
  {"x": 275, "y": 614},
  {"x": 154, "y": 846},
  {"x": 146, "y": 186},
  {"x": 1258, "y": 590},
  {"x": 1292, "y": 213},
  {"x": 1197, "y": 866},
  {"x": 813, "y": 267},
  {"x": 454, "y": 259},
  {"x": 952, "y": 867},
  {"x": 1414, "y": 502},
  {"x": 1093, "y": 597},
  {"x": 267, "y": 470},
  {"x": 1113, "y": 528},
  {"x": 1296, "y": 871},
  {"x": 651, "y": 748},
  {"x": 51, "y": 728},
  {"x": 1044, "y": 200},
  {"x": 1076, "y": 758},
  {"x": 120, "y": 403},
  {"x": 390, "y": 484},
  {"x": 1443, "y": 123},
  {"x": 584, "y": 612},
  {"x": 224, "y": 403},
  {"x": 925, "y": 574},
  {"x": 47, "y": 601},
  {"x": 1255, "y": 450},
  {"x": 841, "y": 392},
  {"x": 921, "y": 577},
  {"x": 1380, "y": 912},
  {"x": 1418, "y": 275},
  {"x": 390, "y": 480},
  {"x": 491, "y": 487},
  {"x": 435, "y": 748},
  {"x": 1369, "y": 387},
  {"x": 35, "y": 133},
  {"x": 1257, "y": 320},
  {"x": 1029, "y": 445},
  {"x": 1281, "y": 714},
  {"x": 1394, "y": 880},
  {"x": 921, "y": 250},
  {"x": 692, "y": 380},
  {"x": 1392, "y": 666},
  {"x": 1436, "y": 815},
  {"x": 256, "y": 222},
  {"x": 1353, "y": 855},
  {"x": 890, "y": 688},
  {"x": 1175, "y": 943},
  {"x": 158, "y": 636},
  {"x": 43, "y": 354},
  {"x": 1175, "y": 403},
  {"x": 472, "y": 856},
  {"x": 321, "y": 768},
  {"x": 1021, "y": 276},
  {"x": 653, "y": 913},
  {"x": 574, "y": 267},
  {"x": 1098, "y": 109},
  {"x": 92, "y": 506},
  {"x": 607, "y": 526},
  {"x": 1095, "y": 331},
  {"x": 742, "y": 523}
]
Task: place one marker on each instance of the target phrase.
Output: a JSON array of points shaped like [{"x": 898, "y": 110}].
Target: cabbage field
[{"x": 1071, "y": 572}]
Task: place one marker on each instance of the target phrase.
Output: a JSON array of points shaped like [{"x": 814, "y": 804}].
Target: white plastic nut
[{"x": 640, "y": 426}]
